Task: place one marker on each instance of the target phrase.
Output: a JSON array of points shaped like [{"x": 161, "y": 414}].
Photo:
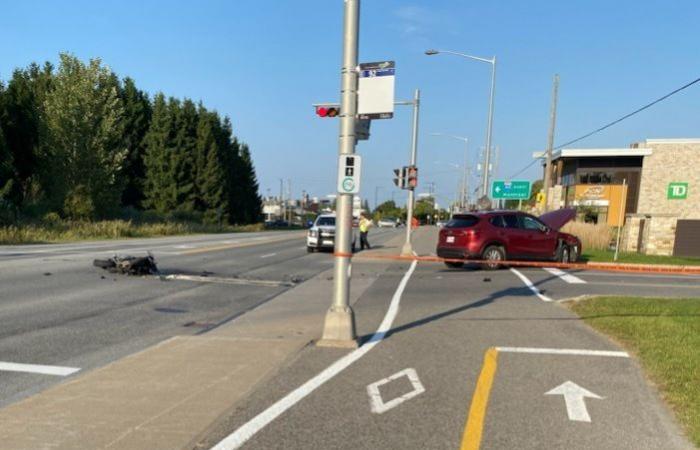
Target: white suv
[{"x": 322, "y": 234}]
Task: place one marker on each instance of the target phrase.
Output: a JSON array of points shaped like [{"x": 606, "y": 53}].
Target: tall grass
[
  {"x": 64, "y": 231},
  {"x": 593, "y": 236}
]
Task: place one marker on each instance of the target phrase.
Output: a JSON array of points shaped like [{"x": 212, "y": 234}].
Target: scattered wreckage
[{"x": 128, "y": 265}]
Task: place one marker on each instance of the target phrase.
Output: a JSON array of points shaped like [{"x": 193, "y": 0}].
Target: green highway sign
[
  {"x": 510, "y": 190},
  {"x": 677, "y": 191}
]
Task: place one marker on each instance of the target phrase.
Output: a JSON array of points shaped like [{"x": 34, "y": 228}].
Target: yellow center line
[
  {"x": 237, "y": 245},
  {"x": 473, "y": 429}
]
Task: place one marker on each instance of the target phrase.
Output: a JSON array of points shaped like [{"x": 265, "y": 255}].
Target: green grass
[
  {"x": 665, "y": 336},
  {"x": 67, "y": 231},
  {"x": 637, "y": 258}
]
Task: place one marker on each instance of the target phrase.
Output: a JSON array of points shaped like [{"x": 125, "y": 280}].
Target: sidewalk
[{"x": 166, "y": 396}]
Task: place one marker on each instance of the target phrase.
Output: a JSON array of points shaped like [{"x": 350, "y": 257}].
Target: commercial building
[{"x": 651, "y": 188}]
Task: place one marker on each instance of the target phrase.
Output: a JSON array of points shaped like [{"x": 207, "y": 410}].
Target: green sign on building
[
  {"x": 510, "y": 190},
  {"x": 677, "y": 191}
]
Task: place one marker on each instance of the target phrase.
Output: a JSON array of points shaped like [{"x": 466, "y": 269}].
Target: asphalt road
[
  {"x": 476, "y": 350},
  {"x": 57, "y": 310}
]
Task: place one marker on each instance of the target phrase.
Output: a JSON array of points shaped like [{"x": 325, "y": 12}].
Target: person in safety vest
[{"x": 365, "y": 223}]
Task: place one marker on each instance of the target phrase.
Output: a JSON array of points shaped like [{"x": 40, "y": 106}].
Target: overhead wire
[{"x": 608, "y": 125}]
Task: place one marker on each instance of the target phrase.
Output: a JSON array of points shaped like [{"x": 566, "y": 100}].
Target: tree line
[{"x": 80, "y": 142}]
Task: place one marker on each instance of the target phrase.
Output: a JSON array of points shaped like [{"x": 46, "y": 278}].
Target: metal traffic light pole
[
  {"x": 407, "y": 249},
  {"x": 339, "y": 327}
]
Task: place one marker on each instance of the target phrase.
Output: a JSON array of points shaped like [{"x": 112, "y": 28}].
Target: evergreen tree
[
  {"x": 231, "y": 164},
  {"x": 159, "y": 189},
  {"x": 183, "y": 150},
  {"x": 83, "y": 147},
  {"x": 21, "y": 123},
  {"x": 136, "y": 120},
  {"x": 251, "y": 202},
  {"x": 211, "y": 182}
]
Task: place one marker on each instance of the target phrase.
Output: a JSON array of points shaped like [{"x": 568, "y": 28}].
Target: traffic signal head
[
  {"x": 411, "y": 177},
  {"x": 327, "y": 111}
]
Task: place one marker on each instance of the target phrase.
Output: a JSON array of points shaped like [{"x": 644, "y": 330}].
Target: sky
[{"x": 263, "y": 63}]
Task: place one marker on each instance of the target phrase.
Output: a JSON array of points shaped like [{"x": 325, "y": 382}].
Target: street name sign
[
  {"x": 349, "y": 170},
  {"x": 510, "y": 190},
  {"x": 375, "y": 90}
]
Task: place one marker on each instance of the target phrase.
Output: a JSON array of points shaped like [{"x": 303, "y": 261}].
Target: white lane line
[
  {"x": 378, "y": 405},
  {"x": 532, "y": 287},
  {"x": 564, "y": 351},
  {"x": 223, "y": 280},
  {"x": 268, "y": 255},
  {"x": 36, "y": 368},
  {"x": 247, "y": 431},
  {"x": 571, "y": 279}
]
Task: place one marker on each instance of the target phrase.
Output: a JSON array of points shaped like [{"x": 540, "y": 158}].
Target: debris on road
[{"x": 128, "y": 265}]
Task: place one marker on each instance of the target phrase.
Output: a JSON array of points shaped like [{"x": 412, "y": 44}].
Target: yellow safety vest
[{"x": 364, "y": 225}]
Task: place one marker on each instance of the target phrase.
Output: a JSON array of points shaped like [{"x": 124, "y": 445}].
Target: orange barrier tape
[{"x": 602, "y": 266}]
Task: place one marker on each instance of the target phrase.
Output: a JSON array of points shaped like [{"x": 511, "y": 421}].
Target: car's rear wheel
[
  {"x": 310, "y": 249},
  {"x": 454, "y": 264},
  {"x": 493, "y": 255}
]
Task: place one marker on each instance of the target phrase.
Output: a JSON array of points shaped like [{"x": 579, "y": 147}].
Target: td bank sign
[{"x": 677, "y": 191}]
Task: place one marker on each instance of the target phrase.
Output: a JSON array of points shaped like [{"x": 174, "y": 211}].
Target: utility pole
[
  {"x": 550, "y": 141},
  {"x": 283, "y": 211},
  {"x": 407, "y": 249},
  {"x": 376, "y": 196},
  {"x": 339, "y": 326},
  {"x": 291, "y": 200}
]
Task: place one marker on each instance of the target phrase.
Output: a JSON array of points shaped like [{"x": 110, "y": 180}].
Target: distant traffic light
[
  {"x": 411, "y": 177},
  {"x": 327, "y": 111}
]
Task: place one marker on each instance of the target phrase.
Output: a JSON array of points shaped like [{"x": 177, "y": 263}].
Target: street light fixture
[
  {"x": 464, "y": 195},
  {"x": 489, "y": 126}
]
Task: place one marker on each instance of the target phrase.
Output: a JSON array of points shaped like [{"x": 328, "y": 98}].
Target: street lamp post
[
  {"x": 339, "y": 326},
  {"x": 489, "y": 126},
  {"x": 464, "y": 191}
]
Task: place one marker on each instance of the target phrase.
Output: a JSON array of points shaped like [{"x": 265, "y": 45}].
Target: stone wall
[
  {"x": 658, "y": 234},
  {"x": 661, "y": 235},
  {"x": 630, "y": 233},
  {"x": 672, "y": 160}
]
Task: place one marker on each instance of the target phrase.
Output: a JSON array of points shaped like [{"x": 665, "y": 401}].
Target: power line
[{"x": 614, "y": 122}]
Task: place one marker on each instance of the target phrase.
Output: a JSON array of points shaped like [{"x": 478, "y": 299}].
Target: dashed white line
[
  {"x": 571, "y": 279},
  {"x": 36, "y": 368},
  {"x": 532, "y": 287},
  {"x": 247, "y": 431},
  {"x": 268, "y": 255}
]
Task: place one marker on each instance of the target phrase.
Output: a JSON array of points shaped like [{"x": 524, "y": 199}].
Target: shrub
[{"x": 593, "y": 236}]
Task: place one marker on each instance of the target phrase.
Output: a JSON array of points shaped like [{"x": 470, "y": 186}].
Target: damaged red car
[{"x": 494, "y": 236}]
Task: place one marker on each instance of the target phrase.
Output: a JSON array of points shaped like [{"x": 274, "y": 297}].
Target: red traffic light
[{"x": 327, "y": 111}]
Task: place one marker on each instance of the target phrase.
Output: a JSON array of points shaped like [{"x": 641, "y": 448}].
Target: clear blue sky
[{"x": 264, "y": 62}]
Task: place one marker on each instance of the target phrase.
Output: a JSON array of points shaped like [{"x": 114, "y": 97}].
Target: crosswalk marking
[{"x": 571, "y": 279}]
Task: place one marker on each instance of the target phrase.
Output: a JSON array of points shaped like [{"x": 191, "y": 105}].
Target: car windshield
[
  {"x": 462, "y": 222},
  {"x": 325, "y": 222}
]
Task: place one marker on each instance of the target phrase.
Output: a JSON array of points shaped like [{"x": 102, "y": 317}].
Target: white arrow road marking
[
  {"x": 574, "y": 397},
  {"x": 34, "y": 368},
  {"x": 375, "y": 397},
  {"x": 571, "y": 279}
]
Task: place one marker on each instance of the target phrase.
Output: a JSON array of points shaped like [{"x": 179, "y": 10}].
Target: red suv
[{"x": 508, "y": 235}]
